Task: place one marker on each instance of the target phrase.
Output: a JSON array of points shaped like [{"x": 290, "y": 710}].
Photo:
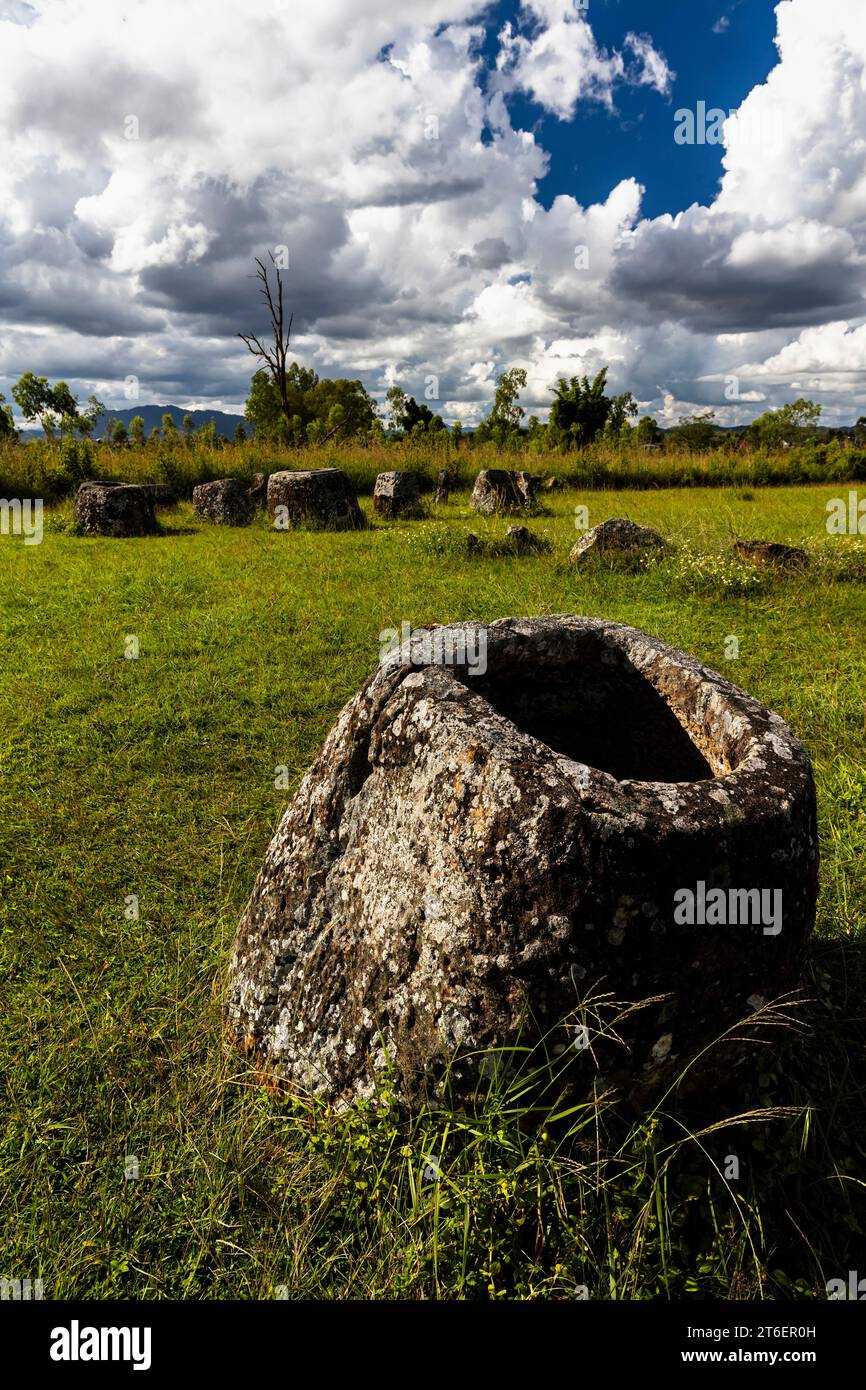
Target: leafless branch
[{"x": 275, "y": 356}]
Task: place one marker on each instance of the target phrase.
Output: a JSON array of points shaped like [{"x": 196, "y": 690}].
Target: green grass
[
  {"x": 53, "y": 469},
  {"x": 155, "y": 777}
]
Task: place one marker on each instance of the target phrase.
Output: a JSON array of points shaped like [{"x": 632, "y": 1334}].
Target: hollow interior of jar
[{"x": 591, "y": 704}]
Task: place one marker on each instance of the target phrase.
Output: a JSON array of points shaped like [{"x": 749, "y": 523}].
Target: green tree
[
  {"x": 580, "y": 409},
  {"x": 264, "y": 405},
  {"x": 790, "y": 424},
  {"x": 54, "y": 407},
  {"x": 240, "y": 434},
  {"x": 536, "y": 434},
  {"x": 648, "y": 431},
  {"x": 357, "y": 407},
  {"x": 91, "y": 416},
  {"x": 312, "y": 402},
  {"x": 118, "y": 432},
  {"x": 263, "y": 410},
  {"x": 405, "y": 414},
  {"x": 622, "y": 409},
  {"x": 418, "y": 418},
  {"x": 7, "y": 420},
  {"x": 336, "y": 418},
  {"x": 396, "y": 401},
  {"x": 506, "y": 408},
  {"x": 697, "y": 432},
  {"x": 136, "y": 429},
  {"x": 169, "y": 428}
]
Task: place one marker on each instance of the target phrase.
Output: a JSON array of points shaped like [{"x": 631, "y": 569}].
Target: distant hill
[{"x": 152, "y": 417}]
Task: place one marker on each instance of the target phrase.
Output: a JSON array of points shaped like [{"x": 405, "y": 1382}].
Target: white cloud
[
  {"x": 371, "y": 141},
  {"x": 652, "y": 70},
  {"x": 558, "y": 62},
  {"x": 832, "y": 348},
  {"x": 559, "y": 66}
]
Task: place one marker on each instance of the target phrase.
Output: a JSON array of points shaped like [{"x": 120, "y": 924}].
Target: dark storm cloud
[{"x": 684, "y": 272}]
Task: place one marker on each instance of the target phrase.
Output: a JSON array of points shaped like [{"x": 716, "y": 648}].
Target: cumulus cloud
[
  {"x": 651, "y": 68},
  {"x": 559, "y": 63},
  {"x": 151, "y": 149}
]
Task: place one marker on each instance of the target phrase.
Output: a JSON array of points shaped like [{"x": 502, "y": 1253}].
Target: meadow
[
  {"x": 139, "y": 1154},
  {"x": 53, "y": 468}
]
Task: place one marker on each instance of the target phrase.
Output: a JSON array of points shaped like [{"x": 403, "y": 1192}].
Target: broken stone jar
[{"x": 490, "y": 851}]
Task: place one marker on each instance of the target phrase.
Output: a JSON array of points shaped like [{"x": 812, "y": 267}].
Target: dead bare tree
[{"x": 276, "y": 356}]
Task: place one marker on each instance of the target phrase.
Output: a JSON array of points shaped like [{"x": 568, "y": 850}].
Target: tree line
[{"x": 310, "y": 410}]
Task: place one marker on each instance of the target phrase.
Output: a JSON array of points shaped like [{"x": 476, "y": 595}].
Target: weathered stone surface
[
  {"x": 772, "y": 553},
  {"x": 616, "y": 539},
  {"x": 225, "y": 502},
  {"x": 443, "y": 485},
  {"x": 317, "y": 496},
  {"x": 497, "y": 490},
  {"x": 114, "y": 509},
  {"x": 397, "y": 494},
  {"x": 258, "y": 490},
  {"x": 471, "y": 853},
  {"x": 522, "y": 541}
]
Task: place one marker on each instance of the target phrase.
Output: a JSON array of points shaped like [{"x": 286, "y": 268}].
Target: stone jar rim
[{"x": 755, "y": 762}]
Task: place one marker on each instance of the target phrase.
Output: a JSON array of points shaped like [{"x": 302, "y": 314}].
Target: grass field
[
  {"x": 156, "y": 777},
  {"x": 52, "y": 469}
]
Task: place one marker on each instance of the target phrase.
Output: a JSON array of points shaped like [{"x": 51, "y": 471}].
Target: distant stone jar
[
  {"x": 225, "y": 502},
  {"x": 519, "y": 540},
  {"x": 477, "y": 860},
  {"x": 617, "y": 541},
  {"x": 444, "y": 483},
  {"x": 786, "y": 557},
  {"x": 397, "y": 494},
  {"x": 497, "y": 490},
  {"x": 114, "y": 509},
  {"x": 321, "y": 497}
]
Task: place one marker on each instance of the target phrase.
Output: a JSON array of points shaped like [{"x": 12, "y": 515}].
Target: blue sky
[{"x": 719, "y": 52}]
